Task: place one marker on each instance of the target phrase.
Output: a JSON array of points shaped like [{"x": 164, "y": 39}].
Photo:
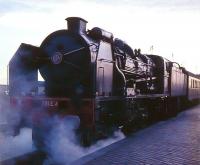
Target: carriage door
[{"x": 104, "y": 78}]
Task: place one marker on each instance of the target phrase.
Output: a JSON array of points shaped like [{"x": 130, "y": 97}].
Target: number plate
[{"x": 50, "y": 103}]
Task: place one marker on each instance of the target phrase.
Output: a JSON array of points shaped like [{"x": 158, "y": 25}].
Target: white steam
[
  {"x": 62, "y": 145},
  {"x": 12, "y": 144},
  {"x": 9, "y": 117}
]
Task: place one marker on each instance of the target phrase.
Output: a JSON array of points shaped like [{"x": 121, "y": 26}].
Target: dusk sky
[{"x": 171, "y": 26}]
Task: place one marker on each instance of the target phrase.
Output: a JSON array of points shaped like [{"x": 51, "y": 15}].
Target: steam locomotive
[{"x": 99, "y": 78}]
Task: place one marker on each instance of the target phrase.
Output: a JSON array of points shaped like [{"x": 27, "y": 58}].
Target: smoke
[
  {"x": 13, "y": 146},
  {"x": 62, "y": 143},
  {"x": 63, "y": 146},
  {"x": 12, "y": 143},
  {"x": 10, "y": 117}
]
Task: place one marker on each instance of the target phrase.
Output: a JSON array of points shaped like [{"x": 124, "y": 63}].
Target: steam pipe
[{"x": 124, "y": 78}]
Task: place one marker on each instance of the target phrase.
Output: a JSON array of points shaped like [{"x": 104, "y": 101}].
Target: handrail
[{"x": 124, "y": 78}]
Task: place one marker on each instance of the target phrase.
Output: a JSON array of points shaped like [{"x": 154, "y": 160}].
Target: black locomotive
[{"x": 98, "y": 78}]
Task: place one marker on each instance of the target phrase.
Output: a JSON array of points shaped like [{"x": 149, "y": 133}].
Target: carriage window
[{"x": 191, "y": 83}]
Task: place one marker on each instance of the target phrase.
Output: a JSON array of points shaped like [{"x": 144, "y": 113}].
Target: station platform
[{"x": 172, "y": 142}]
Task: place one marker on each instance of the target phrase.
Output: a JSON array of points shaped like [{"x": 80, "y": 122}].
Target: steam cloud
[
  {"x": 13, "y": 146},
  {"x": 10, "y": 145},
  {"x": 8, "y": 119},
  {"x": 62, "y": 145}
]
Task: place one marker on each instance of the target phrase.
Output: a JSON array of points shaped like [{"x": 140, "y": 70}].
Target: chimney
[{"x": 76, "y": 24}]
